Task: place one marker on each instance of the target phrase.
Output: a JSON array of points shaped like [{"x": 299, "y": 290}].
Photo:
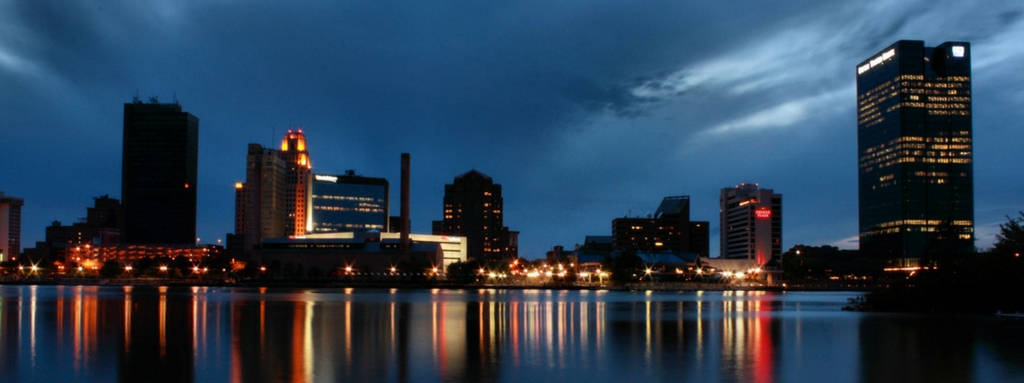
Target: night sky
[{"x": 583, "y": 110}]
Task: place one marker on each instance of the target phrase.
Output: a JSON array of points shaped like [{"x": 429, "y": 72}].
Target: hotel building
[{"x": 751, "y": 223}]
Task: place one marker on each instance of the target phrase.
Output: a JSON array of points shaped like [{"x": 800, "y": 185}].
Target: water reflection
[{"x": 90, "y": 333}]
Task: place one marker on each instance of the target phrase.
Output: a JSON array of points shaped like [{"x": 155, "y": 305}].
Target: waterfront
[{"x": 107, "y": 333}]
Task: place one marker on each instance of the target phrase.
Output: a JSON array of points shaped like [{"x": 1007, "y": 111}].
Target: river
[{"x": 207, "y": 334}]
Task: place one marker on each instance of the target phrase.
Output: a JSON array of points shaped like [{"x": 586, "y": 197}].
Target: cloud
[
  {"x": 782, "y": 115},
  {"x": 848, "y": 243}
]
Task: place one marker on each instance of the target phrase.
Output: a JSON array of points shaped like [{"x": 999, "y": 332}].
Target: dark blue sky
[{"x": 582, "y": 110}]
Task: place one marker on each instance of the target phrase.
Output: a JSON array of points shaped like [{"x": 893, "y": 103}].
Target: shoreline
[{"x": 658, "y": 286}]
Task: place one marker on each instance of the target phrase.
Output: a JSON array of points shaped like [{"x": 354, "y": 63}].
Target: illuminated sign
[
  {"x": 958, "y": 51},
  {"x": 763, "y": 213},
  {"x": 878, "y": 60},
  {"x": 325, "y": 178}
]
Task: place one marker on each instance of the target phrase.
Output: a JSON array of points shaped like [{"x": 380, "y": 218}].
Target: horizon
[{"x": 578, "y": 121}]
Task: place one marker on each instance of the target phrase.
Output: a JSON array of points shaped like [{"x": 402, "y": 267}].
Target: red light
[
  {"x": 186, "y": 185},
  {"x": 763, "y": 213}
]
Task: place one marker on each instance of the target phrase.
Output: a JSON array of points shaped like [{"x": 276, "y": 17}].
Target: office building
[
  {"x": 101, "y": 227},
  {"x": 669, "y": 230},
  {"x": 274, "y": 199},
  {"x": 10, "y": 227},
  {"x": 344, "y": 203},
  {"x": 751, "y": 224},
  {"x": 473, "y": 208},
  {"x": 158, "y": 174},
  {"x": 299, "y": 178},
  {"x": 914, "y": 145}
]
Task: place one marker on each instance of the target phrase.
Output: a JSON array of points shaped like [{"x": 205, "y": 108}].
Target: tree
[
  {"x": 1010, "y": 240},
  {"x": 110, "y": 269},
  {"x": 624, "y": 267}
]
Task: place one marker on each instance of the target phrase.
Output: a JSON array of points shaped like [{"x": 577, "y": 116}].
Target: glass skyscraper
[
  {"x": 349, "y": 203},
  {"x": 915, "y": 150}
]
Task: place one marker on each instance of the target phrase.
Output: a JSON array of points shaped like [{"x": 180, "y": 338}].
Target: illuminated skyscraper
[
  {"x": 275, "y": 198},
  {"x": 160, "y": 155},
  {"x": 751, "y": 223},
  {"x": 299, "y": 181},
  {"x": 914, "y": 146}
]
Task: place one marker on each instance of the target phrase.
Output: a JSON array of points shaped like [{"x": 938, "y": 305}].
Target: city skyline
[{"x": 610, "y": 132}]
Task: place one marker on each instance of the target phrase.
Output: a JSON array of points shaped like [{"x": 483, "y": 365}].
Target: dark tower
[
  {"x": 473, "y": 208},
  {"x": 914, "y": 139},
  {"x": 158, "y": 174},
  {"x": 405, "y": 203}
]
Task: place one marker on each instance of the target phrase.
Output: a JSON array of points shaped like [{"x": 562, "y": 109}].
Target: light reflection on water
[{"x": 90, "y": 333}]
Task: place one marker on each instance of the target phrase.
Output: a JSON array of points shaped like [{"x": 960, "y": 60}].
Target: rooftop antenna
[
  {"x": 153, "y": 100},
  {"x": 135, "y": 98},
  {"x": 175, "y": 96}
]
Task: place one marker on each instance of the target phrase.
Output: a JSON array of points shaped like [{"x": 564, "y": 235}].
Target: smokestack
[{"x": 405, "y": 204}]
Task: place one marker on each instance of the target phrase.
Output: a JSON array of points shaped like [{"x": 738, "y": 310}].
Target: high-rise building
[
  {"x": 158, "y": 174},
  {"x": 275, "y": 199},
  {"x": 473, "y": 208},
  {"x": 669, "y": 230},
  {"x": 10, "y": 227},
  {"x": 751, "y": 223},
  {"x": 299, "y": 179},
  {"x": 344, "y": 203},
  {"x": 915, "y": 150}
]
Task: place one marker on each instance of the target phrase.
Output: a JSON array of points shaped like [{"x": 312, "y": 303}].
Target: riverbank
[{"x": 427, "y": 284}]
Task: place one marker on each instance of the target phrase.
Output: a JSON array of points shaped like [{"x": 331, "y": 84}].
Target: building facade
[
  {"x": 299, "y": 178},
  {"x": 158, "y": 176},
  {"x": 101, "y": 227},
  {"x": 751, "y": 223},
  {"x": 10, "y": 227},
  {"x": 473, "y": 208},
  {"x": 348, "y": 202},
  {"x": 669, "y": 230},
  {"x": 275, "y": 199},
  {"x": 914, "y": 139}
]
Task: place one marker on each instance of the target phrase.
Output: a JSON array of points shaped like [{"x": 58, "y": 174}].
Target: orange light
[
  {"x": 238, "y": 185},
  {"x": 284, "y": 145},
  {"x": 186, "y": 185}
]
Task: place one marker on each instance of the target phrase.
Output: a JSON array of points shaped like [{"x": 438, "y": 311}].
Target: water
[{"x": 89, "y": 334}]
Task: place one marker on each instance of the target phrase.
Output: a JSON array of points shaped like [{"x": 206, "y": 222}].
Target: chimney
[{"x": 405, "y": 204}]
